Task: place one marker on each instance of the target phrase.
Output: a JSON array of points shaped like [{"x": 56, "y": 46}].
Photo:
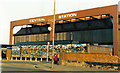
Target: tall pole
[
  {"x": 53, "y": 35},
  {"x": 47, "y": 51}
]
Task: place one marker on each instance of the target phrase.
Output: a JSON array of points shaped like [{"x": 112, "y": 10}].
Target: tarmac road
[{"x": 40, "y": 66}]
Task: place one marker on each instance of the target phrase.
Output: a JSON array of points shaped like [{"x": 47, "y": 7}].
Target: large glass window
[
  {"x": 61, "y": 36},
  {"x": 33, "y": 38},
  {"x": 48, "y": 37},
  {"x": 42, "y": 37},
  {"x": 45, "y": 36},
  {"x": 57, "y": 36},
  {"x": 27, "y": 38},
  {"x": 39, "y": 37}
]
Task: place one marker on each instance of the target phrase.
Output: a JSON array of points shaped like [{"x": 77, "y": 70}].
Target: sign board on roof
[
  {"x": 67, "y": 15},
  {"x": 37, "y": 20}
]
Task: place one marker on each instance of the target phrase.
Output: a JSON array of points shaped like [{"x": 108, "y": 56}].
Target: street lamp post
[
  {"x": 53, "y": 36},
  {"x": 53, "y": 31}
]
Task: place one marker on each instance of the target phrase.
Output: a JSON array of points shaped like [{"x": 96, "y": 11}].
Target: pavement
[{"x": 40, "y": 66}]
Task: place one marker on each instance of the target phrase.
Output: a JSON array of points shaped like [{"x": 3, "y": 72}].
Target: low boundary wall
[{"x": 102, "y": 58}]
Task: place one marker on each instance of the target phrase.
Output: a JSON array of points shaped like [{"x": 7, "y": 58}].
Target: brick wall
[{"x": 102, "y": 58}]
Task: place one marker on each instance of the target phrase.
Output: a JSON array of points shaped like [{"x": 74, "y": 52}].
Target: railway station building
[{"x": 92, "y": 26}]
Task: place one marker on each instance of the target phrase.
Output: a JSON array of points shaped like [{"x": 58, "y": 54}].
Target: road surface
[{"x": 40, "y": 66}]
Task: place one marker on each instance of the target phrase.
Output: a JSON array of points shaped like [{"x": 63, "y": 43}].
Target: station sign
[
  {"x": 67, "y": 15},
  {"x": 37, "y": 20}
]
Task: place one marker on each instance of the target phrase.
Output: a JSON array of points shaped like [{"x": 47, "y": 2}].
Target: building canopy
[{"x": 81, "y": 25}]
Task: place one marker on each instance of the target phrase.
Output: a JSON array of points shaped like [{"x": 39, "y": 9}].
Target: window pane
[{"x": 45, "y": 36}]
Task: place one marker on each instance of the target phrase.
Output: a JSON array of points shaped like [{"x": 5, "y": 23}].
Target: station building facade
[{"x": 93, "y": 26}]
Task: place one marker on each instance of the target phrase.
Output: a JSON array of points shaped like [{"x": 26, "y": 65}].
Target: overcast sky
[{"x": 11, "y": 10}]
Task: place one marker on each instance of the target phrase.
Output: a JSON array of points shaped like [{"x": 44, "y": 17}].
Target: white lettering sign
[
  {"x": 37, "y": 20},
  {"x": 67, "y": 15}
]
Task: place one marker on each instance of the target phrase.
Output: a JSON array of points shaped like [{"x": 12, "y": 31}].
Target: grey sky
[{"x": 11, "y": 10}]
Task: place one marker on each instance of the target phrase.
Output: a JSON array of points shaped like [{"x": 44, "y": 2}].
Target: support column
[
  {"x": 115, "y": 32},
  {"x": 116, "y": 42},
  {"x": 9, "y": 50},
  {"x": 119, "y": 43},
  {"x": 11, "y": 35},
  {"x": 14, "y": 39}
]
